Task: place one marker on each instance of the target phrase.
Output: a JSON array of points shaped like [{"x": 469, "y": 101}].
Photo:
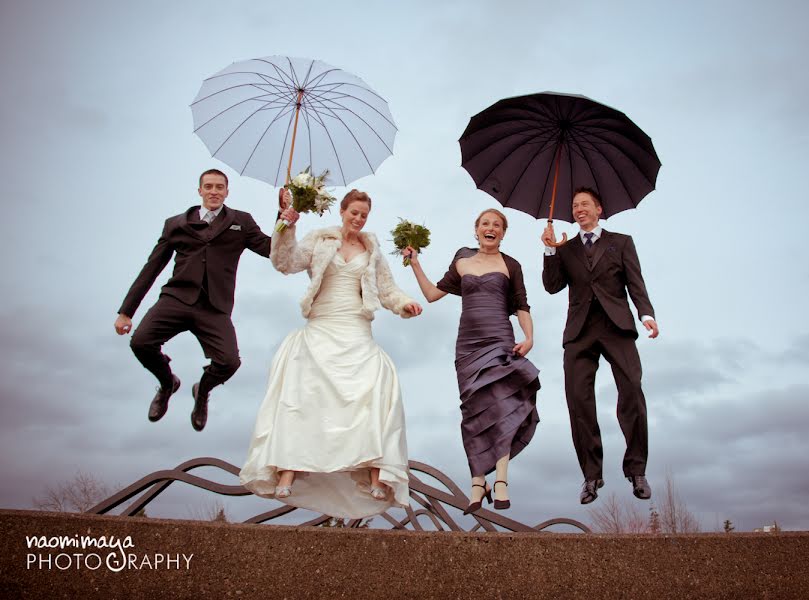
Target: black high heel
[
  {"x": 501, "y": 504},
  {"x": 487, "y": 493}
]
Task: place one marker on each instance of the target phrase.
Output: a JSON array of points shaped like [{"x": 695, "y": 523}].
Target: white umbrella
[{"x": 270, "y": 118}]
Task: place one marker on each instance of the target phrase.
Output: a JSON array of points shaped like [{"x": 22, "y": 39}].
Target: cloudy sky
[{"x": 97, "y": 150}]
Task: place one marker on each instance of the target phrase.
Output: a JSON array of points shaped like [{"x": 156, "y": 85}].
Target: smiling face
[
  {"x": 586, "y": 211},
  {"x": 490, "y": 230},
  {"x": 213, "y": 189},
  {"x": 354, "y": 216}
]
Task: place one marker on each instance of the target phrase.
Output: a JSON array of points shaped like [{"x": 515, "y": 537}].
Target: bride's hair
[{"x": 353, "y": 196}]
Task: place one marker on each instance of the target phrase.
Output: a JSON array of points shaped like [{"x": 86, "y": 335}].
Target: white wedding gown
[{"x": 333, "y": 409}]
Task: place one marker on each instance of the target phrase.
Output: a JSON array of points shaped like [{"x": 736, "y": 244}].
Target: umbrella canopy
[
  {"x": 267, "y": 117},
  {"x": 528, "y": 150}
]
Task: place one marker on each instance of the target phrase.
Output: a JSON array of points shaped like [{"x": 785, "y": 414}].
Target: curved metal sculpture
[{"x": 431, "y": 502}]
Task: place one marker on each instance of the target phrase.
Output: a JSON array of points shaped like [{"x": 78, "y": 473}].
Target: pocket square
[{"x": 236, "y": 227}]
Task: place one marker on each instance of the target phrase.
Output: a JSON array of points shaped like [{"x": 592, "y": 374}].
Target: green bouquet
[{"x": 409, "y": 234}]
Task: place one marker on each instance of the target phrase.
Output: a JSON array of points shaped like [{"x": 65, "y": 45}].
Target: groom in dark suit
[
  {"x": 600, "y": 267},
  {"x": 208, "y": 241}
]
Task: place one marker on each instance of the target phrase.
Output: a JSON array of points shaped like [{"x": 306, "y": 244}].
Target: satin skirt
[
  {"x": 332, "y": 411},
  {"x": 498, "y": 389}
]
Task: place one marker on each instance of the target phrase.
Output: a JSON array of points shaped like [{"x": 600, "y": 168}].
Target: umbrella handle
[
  {"x": 561, "y": 242},
  {"x": 556, "y": 244}
]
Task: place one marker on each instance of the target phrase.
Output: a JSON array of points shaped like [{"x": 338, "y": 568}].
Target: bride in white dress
[{"x": 330, "y": 434}]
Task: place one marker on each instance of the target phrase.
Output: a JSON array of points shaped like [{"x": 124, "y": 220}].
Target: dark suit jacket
[
  {"x": 210, "y": 251},
  {"x": 615, "y": 270}
]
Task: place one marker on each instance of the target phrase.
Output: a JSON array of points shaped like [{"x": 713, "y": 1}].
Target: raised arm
[
  {"x": 287, "y": 255},
  {"x": 553, "y": 275},
  {"x": 428, "y": 288}
]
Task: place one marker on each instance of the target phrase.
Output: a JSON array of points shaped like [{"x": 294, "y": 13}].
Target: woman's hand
[
  {"x": 414, "y": 308},
  {"x": 524, "y": 347},
  {"x": 412, "y": 254},
  {"x": 290, "y": 215}
]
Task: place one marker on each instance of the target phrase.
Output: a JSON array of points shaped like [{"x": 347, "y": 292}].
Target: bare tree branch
[
  {"x": 671, "y": 515},
  {"x": 76, "y": 495}
]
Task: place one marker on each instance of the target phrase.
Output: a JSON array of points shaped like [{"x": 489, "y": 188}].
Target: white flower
[{"x": 303, "y": 179}]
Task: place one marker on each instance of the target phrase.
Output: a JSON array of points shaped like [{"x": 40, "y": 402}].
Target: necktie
[
  {"x": 589, "y": 243},
  {"x": 209, "y": 217}
]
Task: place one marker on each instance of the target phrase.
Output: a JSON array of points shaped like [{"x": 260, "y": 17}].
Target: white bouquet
[{"x": 308, "y": 194}]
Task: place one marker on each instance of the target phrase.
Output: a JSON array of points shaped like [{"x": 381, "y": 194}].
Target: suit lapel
[
  {"x": 192, "y": 223},
  {"x": 600, "y": 247},
  {"x": 223, "y": 221}
]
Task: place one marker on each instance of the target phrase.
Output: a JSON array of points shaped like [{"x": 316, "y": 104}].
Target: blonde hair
[
  {"x": 495, "y": 212},
  {"x": 355, "y": 196}
]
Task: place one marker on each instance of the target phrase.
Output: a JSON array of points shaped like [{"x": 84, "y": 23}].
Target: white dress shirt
[{"x": 204, "y": 211}]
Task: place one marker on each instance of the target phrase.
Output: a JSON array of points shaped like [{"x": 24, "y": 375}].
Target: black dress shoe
[
  {"x": 589, "y": 491},
  {"x": 640, "y": 487},
  {"x": 160, "y": 404},
  {"x": 199, "y": 416}
]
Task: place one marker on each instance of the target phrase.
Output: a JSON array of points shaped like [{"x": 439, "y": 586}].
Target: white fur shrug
[{"x": 314, "y": 253}]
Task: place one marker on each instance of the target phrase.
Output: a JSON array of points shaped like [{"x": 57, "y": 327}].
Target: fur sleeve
[
  {"x": 287, "y": 255},
  {"x": 390, "y": 296}
]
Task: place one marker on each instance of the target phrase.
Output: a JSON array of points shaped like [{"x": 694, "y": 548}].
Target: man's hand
[
  {"x": 414, "y": 308},
  {"x": 548, "y": 236},
  {"x": 284, "y": 198},
  {"x": 651, "y": 325},
  {"x": 123, "y": 324}
]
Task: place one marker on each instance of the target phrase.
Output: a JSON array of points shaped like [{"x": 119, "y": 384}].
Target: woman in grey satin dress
[{"x": 497, "y": 384}]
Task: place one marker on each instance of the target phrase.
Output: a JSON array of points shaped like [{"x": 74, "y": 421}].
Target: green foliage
[
  {"x": 303, "y": 198},
  {"x": 407, "y": 234}
]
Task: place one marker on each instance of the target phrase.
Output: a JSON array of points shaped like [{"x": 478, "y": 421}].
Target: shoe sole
[{"x": 175, "y": 387}]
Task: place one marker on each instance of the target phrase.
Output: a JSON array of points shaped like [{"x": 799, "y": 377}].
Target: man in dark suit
[
  {"x": 208, "y": 241},
  {"x": 599, "y": 267}
]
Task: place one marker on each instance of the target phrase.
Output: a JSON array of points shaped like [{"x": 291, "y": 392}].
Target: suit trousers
[
  {"x": 212, "y": 328},
  {"x": 601, "y": 337}
]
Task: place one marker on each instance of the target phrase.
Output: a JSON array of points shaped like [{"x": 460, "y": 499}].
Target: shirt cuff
[
  {"x": 645, "y": 318},
  {"x": 550, "y": 251}
]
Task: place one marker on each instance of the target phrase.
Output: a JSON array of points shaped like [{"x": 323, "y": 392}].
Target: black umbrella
[{"x": 525, "y": 151}]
